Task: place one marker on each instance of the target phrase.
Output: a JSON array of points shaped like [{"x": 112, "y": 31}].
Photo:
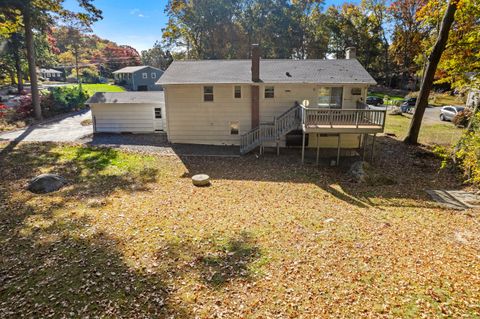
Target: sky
[{"x": 137, "y": 23}]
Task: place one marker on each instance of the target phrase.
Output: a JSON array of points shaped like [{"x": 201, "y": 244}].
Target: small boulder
[
  {"x": 396, "y": 111},
  {"x": 201, "y": 180},
  {"x": 362, "y": 172},
  {"x": 46, "y": 183}
]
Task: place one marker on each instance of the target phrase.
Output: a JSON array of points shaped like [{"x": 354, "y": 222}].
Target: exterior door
[{"x": 157, "y": 119}]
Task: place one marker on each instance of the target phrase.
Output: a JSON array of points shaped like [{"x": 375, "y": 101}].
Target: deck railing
[
  {"x": 288, "y": 120},
  {"x": 312, "y": 117}
]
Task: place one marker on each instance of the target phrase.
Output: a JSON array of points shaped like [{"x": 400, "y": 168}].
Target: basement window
[
  {"x": 158, "y": 113},
  {"x": 269, "y": 92},
  {"x": 238, "y": 92},
  {"x": 208, "y": 93},
  {"x": 234, "y": 128}
]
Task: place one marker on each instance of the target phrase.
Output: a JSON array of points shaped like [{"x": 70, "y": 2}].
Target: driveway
[{"x": 66, "y": 129}]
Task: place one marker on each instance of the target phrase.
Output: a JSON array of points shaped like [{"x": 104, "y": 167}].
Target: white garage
[{"x": 133, "y": 112}]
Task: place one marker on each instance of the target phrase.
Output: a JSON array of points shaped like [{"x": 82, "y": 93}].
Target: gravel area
[{"x": 158, "y": 144}]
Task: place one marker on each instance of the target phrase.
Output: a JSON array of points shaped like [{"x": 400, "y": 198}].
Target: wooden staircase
[{"x": 271, "y": 132}]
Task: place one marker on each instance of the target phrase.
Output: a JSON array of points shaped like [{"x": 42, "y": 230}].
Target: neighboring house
[
  {"x": 138, "y": 78},
  {"x": 135, "y": 112},
  {"x": 51, "y": 74},
  {"x": 252, "y": 103}
]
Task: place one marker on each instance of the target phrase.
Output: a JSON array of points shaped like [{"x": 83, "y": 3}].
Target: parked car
[
  {"x": 374, "y": 100},
  {"x": 378, "y": 108},
  {"x": 408, "y": 104},
  {"x": 449, "y": 112}
]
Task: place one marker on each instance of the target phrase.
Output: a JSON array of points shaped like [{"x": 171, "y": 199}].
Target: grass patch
[
  {"x": 94, "y": 88},
  {"x": 441, "y": 134},
  {"x": 269, "y": 238}
]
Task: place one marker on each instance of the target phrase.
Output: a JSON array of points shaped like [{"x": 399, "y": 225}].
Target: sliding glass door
[{"x": 330, "y": 97}]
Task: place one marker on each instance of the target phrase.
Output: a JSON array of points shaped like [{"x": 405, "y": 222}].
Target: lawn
[
  {"x": 440, "y": 134},
  {"x": 93, "y": 88},
  {"x": 130, "y": 237}
]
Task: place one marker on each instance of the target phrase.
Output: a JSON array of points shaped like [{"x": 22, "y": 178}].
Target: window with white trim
[
  {"x": 145, "y": 75},
  {"x": 234, "y": 128},
  {"x": 154, "y": 75},
  {"x": 208, "y": 93},
  {"x": 158, "y": 113},
  {"x": 269, "y": 92},
  {"x": 237, "y": 92},
  {"x": 330, "y": 97}
]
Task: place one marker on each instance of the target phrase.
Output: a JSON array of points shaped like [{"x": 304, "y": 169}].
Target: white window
[
  {"x": 330, "y": 97},
  {"x": 158, "y": 113},
  {"x": 269, "y": 92},
  {"x": 154, "y": 75},
  {"x": 208, "y": 93},
  {"x": 234, "y": 128},
  {"x": 145, "y": 75},
  {"x": 238, "y": 92}
]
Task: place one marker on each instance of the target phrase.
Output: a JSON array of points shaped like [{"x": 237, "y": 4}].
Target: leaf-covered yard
[{"x": 131, "y": 237}]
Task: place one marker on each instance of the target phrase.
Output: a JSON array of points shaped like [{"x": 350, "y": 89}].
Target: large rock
[
  {"x": 362, "y": 172},
  {"x": 46, "y": 183},
  {"x": 201, "y": 180}
]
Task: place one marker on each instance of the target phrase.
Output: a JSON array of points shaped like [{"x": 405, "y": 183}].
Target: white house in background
[
  {"x": 256, "y": 103},
  {"x": 51, "y": 74}
]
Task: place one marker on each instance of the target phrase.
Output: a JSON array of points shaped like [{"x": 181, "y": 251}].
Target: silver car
[{"x": 449, "y": 112}]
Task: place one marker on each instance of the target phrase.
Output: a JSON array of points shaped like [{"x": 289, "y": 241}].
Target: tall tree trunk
[
  {"x": 32, "y": 68},
  {"x": 433, "y": 59},
  {"x": 18, "y": 69}
]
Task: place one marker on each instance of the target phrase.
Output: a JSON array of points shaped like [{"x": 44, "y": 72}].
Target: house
[
  {"x": 134, "y": 112},
  {"x": 257, "y": 103},
  {"x": 138, "y": 78},
  {"x": 51, "y": 74}
]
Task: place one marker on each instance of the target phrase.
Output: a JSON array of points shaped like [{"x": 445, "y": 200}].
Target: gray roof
[
  {"x": 133, "y": 69},
  {"x": 126, "y": 97},
  {"x": 50, "y": 71},
  {"x": 271, "y": 71}
]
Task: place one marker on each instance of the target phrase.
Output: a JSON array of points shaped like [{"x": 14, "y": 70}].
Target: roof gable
[
  {"x": 271, "y": 71},
  {"x": 133, "y": 69}
]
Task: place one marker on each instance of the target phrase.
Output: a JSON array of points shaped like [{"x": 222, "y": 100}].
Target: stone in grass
[
  {"x": 46, "y": 183},
  {"x": 362, "y": 172},
  {"x": 201, "y": 180}
]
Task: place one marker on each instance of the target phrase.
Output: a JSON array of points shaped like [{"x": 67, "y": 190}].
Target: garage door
[{"x": 135, "y": 117}]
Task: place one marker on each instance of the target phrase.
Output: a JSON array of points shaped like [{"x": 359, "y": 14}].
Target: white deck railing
[{"x": 314, "y": 117}]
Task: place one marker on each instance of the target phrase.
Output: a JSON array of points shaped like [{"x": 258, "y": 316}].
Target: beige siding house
[{"x": 257, "y": 103}]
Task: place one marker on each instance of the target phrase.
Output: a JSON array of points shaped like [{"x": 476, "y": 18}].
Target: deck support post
[
  {"x": 318, "y": 148},
  {"x": 365, "y": 139},
  {"x": 373, "y": 147},
  {"x": 338, "y": 149},
  {"x": 278, "y": 148},
  {"x": 303, "y": 147}
]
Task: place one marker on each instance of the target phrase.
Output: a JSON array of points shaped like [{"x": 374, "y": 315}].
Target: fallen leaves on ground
[{"x": 131, "y": 237}]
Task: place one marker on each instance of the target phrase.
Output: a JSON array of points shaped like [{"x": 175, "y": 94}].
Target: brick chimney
[
  {"x": 255, "y": 87},
  {"x": 350, "y": 53},
  {"x": 255, "y": 63}
]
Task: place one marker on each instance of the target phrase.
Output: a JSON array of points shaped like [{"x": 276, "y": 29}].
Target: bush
[
  {"x": 24, "y": 109},
  {"x": 467, "y": 152},
  {"x": 67, "y": 99},
  {"x": 462, "y": 118}
]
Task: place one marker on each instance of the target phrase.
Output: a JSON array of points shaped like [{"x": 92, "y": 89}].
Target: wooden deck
[
  {"x": 335, "y": 129},
  {"x": 315, "y": 120}
]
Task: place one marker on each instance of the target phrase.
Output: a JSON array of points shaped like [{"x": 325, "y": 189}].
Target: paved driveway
[{"x": 67, "y": 129}]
